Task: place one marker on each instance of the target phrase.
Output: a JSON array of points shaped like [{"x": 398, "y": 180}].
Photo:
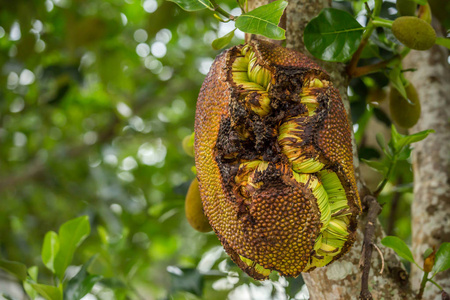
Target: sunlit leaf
[
  {"x": 442, "y": 262},
  {"x": 193, "y": 5},
  {"x": 334, "y": 35},
  {"x": 49, "y": 249},
  {"x": 31, "y": 292},
  {"x": 223, "y": 41},
  {"x": 71, "y": 235},
  {"x": 443, "y": 42},
  {"x": 399, "y": 141},
  {"x": 264, "y": 20},
  {"x": 49, "y": 292},
  {"x": 399, "y": 247}
]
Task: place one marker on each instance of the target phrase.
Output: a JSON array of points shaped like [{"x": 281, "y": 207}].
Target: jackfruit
[
  {"x": 274, "y": 161},
  {"x": 194, "y": 209},
  {"x": 414, "y": 33},
  {"x": 404, "y": 113}
]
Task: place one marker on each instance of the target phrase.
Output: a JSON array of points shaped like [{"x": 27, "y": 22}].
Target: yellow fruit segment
[{"x": 254, "y": 80}]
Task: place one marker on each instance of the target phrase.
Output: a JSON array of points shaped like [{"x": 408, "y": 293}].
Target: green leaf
[
  {"x": 50, "y": 250},
  {"x": 242, "y": 4},
  {"x": 377, "y": 166},
  {"x": 49, "y": 292},
  {"x": 15, "y": 268},
  {"x": 397, "y": 82},
  {"x": 370, "y": 50},
  {"x": 81, "y": 283},
  {"x": 193, "y": 5},
  {"x": 264, "y": 20},
  {"x": 380, "y": 140},
  {"x": 399, "y": 141},
  {"x": 187, "y": 280},
  {"x": 31, "y": 292},
  {"x": 414, "y": 138},
  {"x": 103, "y": 234},
  {"x": 427, "y": 252},
  {"x": 399, "y": 247},
  {"x": 334, "y": 35},
  {"x": 443, "y": 42},
  {"x": 404, "y": 154},
  {"x": 33, "y": 272},
  {"x": 223, "y": 41},
  {"x": 442, "y": 262},
  {"x": 71, "y": 235}
]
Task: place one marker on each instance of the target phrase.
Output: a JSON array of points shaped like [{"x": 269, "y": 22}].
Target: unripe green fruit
[
  {"x": 194, "y": 209},
  {"x": 404, "y": 113},
  {"x": 414, "y": 33},
  {"x": 406, "y": 7},
  {"x": 188, "y": 144}
]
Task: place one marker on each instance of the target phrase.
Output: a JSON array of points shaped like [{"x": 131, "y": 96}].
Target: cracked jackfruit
[{"x": 274, "y": 161}]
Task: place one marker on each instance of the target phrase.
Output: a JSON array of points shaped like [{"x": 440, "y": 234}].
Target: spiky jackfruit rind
[
  {"x": 414, "y": 33},
  {"x": 278, "y": 228},
  {"x": 404, "y": 113}
]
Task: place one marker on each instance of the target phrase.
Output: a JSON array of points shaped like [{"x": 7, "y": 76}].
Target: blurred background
[{"x": 95, "y": 99}]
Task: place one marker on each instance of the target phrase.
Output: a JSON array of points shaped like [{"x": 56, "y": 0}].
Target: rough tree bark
[{"x": 431, "y": 160}]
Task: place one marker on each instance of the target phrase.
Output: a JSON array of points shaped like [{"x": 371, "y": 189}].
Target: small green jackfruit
[
  {"x": 404, "y": 113},
  {"x": 194, "y": 209},
  {"x": 188, "y": 144},
  {"x": 414, "y": 33}
]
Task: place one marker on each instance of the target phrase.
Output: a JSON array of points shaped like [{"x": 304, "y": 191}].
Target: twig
[
  {"x": 364, "y": 70},
  {"x": 374, "y": 210},
  {"x": 393, "y": 211},
  {"x": 422, "y": 285},
  {"x": 382, "y": 257},
  {"x": 220, "y": 10}
]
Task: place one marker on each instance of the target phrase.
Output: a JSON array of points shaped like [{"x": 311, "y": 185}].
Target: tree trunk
[
  {"x": 342, "y": 279},
  {"x": 431, "y": 160}
]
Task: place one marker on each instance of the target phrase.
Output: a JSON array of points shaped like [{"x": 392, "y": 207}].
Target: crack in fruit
[{"x": 274, "y": 161}]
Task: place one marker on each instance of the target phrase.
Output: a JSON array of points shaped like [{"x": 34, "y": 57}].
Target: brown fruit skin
[
  {"x": 278, "y": 229},
  {"x": 194, "y": 209},
  {"x": 402, "y": 112},
  {"x": 414, "y": 33}
]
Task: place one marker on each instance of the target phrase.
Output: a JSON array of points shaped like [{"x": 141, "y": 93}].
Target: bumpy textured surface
[{"x": 265, "y": 142}]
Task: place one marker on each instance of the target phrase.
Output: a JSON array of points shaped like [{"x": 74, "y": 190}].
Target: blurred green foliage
[{"x": 95, "y": 99}]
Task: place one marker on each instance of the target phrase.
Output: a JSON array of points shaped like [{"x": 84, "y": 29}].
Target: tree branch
[
  {"x": 369, "y": 232},
  {"x": 431, "y": 161}
]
